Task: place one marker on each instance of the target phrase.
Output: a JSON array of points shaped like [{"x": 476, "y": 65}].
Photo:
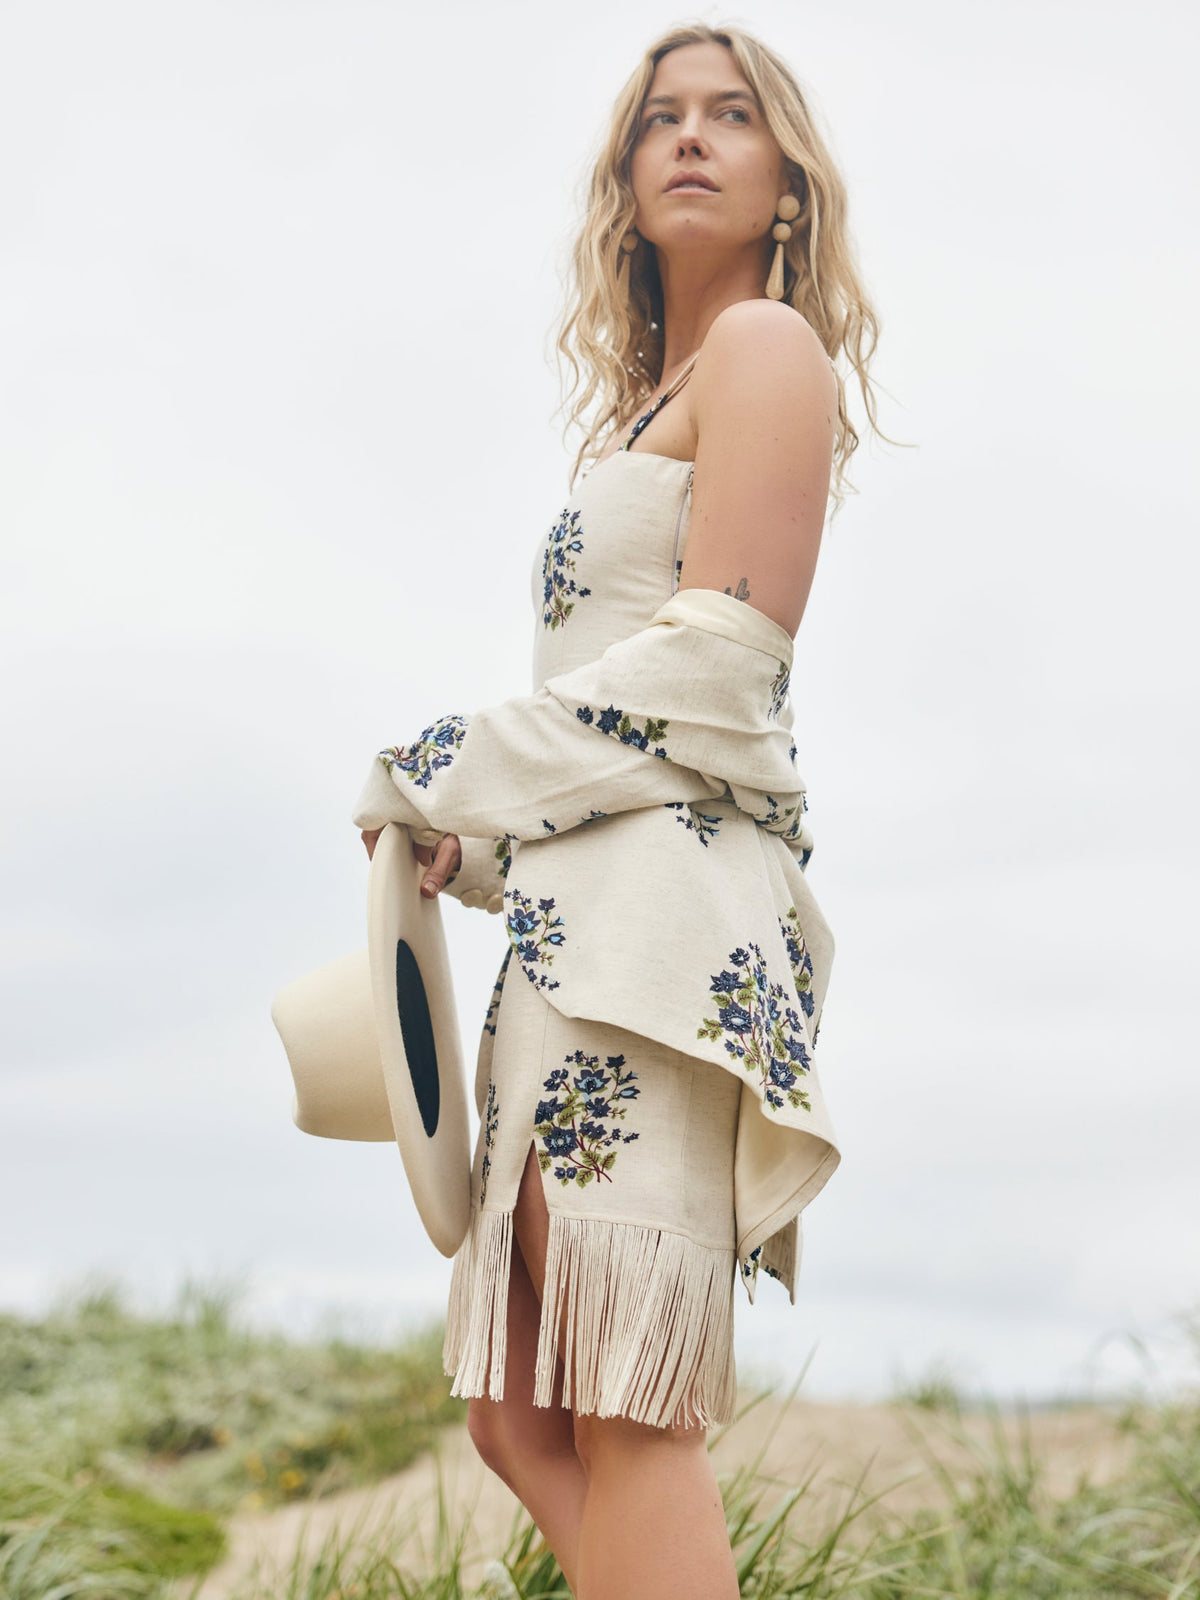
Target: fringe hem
[{"x": 649, "y": 1320}]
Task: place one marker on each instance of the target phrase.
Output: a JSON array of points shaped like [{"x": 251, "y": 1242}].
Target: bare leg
[
  {"x": 532, "y": 1448},
  {"x": 653, "y": 1522},
  {"x": 628, "y": 1510}
]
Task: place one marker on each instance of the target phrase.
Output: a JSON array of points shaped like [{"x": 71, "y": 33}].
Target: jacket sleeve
[
  {"x": 684, "y": 710},
  {"x": 800, "y": 841},
  {"x": 482, "y": 873},
  {"x": 516, "y": 771}
]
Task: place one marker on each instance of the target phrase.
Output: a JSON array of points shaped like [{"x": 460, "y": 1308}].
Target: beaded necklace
[{"x": 658, "y": 404}]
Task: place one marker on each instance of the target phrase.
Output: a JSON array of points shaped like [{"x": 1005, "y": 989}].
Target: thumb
[{"x": 444, "y": 863}]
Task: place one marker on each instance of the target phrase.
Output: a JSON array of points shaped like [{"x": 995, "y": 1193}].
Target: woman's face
[{"x": 701, "y": 116}]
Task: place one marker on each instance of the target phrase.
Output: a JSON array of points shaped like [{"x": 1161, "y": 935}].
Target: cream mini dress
[{"x": 634, "y": 1140}]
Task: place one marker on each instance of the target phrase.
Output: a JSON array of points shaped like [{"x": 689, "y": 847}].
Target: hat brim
[{"x": 420, "y": 1049}]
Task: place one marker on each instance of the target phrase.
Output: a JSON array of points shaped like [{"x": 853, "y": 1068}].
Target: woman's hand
[{"x": 443, "y": 860}]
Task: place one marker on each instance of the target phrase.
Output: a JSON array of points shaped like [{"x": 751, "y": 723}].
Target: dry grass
[{"x": 128, "y": 1449}]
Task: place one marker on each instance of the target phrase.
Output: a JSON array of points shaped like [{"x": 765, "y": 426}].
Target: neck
[{"x": 697, "y": 290}]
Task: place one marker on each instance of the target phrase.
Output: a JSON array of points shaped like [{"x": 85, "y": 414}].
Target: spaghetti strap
[{"x": 661, "y": 401}]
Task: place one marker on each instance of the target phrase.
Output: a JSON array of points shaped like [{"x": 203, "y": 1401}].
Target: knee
[
  {"x": 520, "y": 1444},
  {"x": 602, "y": 1439},
  {"x": 487, "y": 1431}
]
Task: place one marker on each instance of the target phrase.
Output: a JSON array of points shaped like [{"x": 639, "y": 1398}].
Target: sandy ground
[{"x": 827, "y": 1447}]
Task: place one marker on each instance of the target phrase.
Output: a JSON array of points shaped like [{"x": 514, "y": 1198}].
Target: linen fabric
[
  {"x": 633, "y": 1143},
  {"x": 642, "y": 815}
]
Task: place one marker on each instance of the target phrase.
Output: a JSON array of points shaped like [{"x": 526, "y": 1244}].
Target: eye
[{"x": 740, "y": 112}]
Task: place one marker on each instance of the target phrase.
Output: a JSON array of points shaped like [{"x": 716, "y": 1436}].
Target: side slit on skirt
[{"x": 639, "y": 1311}]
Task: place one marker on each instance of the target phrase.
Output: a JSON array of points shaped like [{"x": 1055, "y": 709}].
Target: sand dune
[{"x": 888, "y": 1446}]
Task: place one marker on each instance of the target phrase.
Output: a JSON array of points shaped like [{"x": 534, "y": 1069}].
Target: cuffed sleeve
[{"x": 479, "y": 881}]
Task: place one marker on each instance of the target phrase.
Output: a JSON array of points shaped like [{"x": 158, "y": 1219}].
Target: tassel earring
[
  {"x": 787, "y": 210},
  {"x": 628, "y": 245}
]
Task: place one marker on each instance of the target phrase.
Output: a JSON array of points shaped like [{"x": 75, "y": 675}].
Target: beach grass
[
  {"x": 126, "y": 1440},
  {"x": 997, "y": 1534}
]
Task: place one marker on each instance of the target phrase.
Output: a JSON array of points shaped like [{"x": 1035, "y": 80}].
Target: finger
[
  {"x": 447, "y": 859},
  {"x": 450, "y": 851},
  {"x": 433, "y": 880}
]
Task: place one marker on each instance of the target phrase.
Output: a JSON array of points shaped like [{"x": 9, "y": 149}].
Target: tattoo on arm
[{"x": 742, "y": 591}]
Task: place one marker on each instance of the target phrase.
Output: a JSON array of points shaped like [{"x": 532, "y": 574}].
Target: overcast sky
[{"x": 277, "y": 291}]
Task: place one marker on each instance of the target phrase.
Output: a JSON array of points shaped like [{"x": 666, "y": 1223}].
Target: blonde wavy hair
[{"x": 611, "y": 333}]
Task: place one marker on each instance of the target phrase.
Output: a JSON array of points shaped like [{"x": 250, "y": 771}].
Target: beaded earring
[{"x": 787, "y": 210}]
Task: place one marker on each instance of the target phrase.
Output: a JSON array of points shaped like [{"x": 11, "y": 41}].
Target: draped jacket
[{"x": 639, "y": 822}]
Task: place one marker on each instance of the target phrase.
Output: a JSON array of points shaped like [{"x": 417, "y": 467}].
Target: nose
[{"x": 689, "y": 136}]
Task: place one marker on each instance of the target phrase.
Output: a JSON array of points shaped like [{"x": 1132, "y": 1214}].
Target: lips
[{"x": 690, "y": 180}]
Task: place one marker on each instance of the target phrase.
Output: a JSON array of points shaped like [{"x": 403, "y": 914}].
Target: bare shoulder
[
  {"x": 763, "y": 319},
  {"x": 768, "y": 348}
]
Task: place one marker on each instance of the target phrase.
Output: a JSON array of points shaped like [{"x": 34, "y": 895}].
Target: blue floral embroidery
[
  {"x": 502, "y": 855},
  {"x": 613, "y": 721},
  {"x": 489, "y": 1022},
  {"x": 752, "y": 1263},
  {"x": 533, "y": 935},
  {"x": 763, "y": 1032},
  {"x": 704, "y": 826},
  {"x": 491, "y": 1121},
  {"x": 563, "y": 543},
  {"x": 774, "y": 814},
  {"x": 549, "y": 826},
  {"x": 573, "y": 1129},
  {"x": 802, "y": 967},
  {"x": 433, "y": 748},
  {"x": 779, "y": 689}
]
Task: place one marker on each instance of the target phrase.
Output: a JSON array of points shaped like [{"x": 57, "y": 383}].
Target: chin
[{"x": 686, "y": 232}]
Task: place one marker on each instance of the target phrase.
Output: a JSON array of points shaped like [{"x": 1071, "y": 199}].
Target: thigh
[
  {"x": 531, "y": 1222},
  {"x": 516, "y": 1418},
  {"x": 531, "y": 1236}
]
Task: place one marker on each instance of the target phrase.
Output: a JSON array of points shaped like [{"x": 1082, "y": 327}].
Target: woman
[{"x": 714, "y": 286}]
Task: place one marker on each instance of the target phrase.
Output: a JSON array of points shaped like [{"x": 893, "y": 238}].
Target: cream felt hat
[{"x": 373, "y": 1043}]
